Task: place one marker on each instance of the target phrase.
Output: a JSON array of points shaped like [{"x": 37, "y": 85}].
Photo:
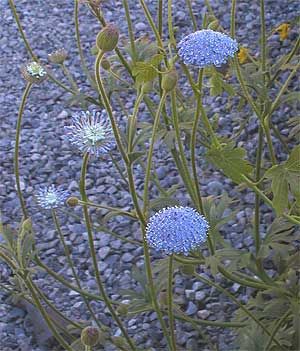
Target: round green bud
[
  {"x": 72, "y": 201},
  {"x": 169, "y": 80},
  {"x": 58, "y": 56},
  {"x": 214, "y": 25},
  {"x": 147, "y": 87},
  {"x": 188, "y": 269},
  {"x": 90, "y": 336},
  {"x": 107, "y": 38},
  {"x": 105, "y": 64},
  {"x": 27, "y": 224}
]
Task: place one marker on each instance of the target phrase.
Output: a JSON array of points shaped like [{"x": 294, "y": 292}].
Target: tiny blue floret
[
  {"x": 177, "y": 230},
  {"x": 91, "y": 132},
  {"x": 50, "y": 197},
  {"x": 207, "y": 47}
]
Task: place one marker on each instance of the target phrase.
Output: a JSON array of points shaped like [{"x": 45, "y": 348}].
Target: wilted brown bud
[
  {"x": 58, "y": 56},
  {"x": 90, "y": 336}
]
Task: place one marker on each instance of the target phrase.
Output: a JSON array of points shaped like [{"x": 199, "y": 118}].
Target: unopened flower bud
[
  {"x": 105, "y": 64},
  {"x": 33, "y": 72},
  {"x": 58, "y": 56},
  {"x": 214, "y": 25},
  {"x": 147, "y": 87},
  {"x": 108, "y": 37},
  {"x": 72, "y": 201},
  {"x": 169, "y": 80},
  {"x": 90, "y": 336},
  {"x": 27, "y": 224}
]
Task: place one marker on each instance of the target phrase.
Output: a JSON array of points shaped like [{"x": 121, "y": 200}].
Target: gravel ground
[{"x": 47, "y": 158}]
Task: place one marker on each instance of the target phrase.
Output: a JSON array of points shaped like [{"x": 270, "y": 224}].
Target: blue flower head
[
  {"x": 177, "y": 230},
  {"x": 91, "y": 132},
  {"x": 207, "y": 47},
  {"x": 51, "y": 197}
]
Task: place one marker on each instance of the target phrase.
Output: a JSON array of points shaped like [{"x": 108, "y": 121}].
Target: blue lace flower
[
  {"x": 91, "y": 132},
  {"x": 177, "y": 230},
  {"x": 207, "y": 47},
  {"x": 50, "y": 197}
]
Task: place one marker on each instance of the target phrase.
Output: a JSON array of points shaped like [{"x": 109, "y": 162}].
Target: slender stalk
[
  {"x": 130, "y": 31},
  {"x": 263, "y": 50},
  {"x": 193, "y": 18},
  {"x": 71, "y": 265},
  {"x": 160, "y": 17},
  {"x": 48, "y": 321},
  {"x": 78, "y": 41},
  {"x": 108, "y": 107},
  {"x": 193, "y": 144},
  {"x": 232, "y": 19},
  {"x": 242, "y": 307},
  {"x": 257, "y": 198},
  {"x": 170, "y": 25},
  {"x": 170, "y": 303},
  {"x": 150, "y": 151},
  {"x": 93, "y": 253},
  {"x": 109, "y": 208},
  {"x": 69, "y": 77},
  {"x": 132, "y": 124},
  {"x": 17, "y": 146}
]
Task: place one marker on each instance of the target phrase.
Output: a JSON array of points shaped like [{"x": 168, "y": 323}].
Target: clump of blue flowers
[
  {"x": 91, "y": 132},
  {"x": 177, "y": 230},
  {"x": 51, "y": 197},
  {"x": 207, "y": 47}
]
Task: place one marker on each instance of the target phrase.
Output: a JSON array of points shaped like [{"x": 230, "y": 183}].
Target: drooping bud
[
  {"x": 90, "y": 336},
  {"x": 105, "y": 64},
  {"x": 169, "y": 80},
  {"x": 33, "y": 72},
  {"x": 72, "y": 201},
  {"x": 108, "y": 38},
  {"x": 58, "y": 56}
]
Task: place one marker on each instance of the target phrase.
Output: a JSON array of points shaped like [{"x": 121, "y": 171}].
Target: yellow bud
[
  {"x": 283, "y": 31},
  {"x": 72, "y": 201},
  {"x": 243, "y": 55}
]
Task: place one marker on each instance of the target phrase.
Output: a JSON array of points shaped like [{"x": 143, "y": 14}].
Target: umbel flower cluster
[
  {"x": 177, "y": 230},
  {"x": 207, "y": 47},
  {"x": 51, "y": 197},
  {"x": 91, "y": 132}
]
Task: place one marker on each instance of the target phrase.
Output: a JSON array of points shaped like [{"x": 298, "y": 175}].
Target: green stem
[
  {"x": 93, "y": 253},
  {"x": 112, "y": 209},
  {"x": 193, "y": 144},
  {"x": 257, "y": 198},
  {"x": 108, "y": 107},
  {"x": 263, "y": 38},
  {"x": 17, "y": 146},
  {"x": 69, "y": 77},
  {"x": 170, "y": 25},
  {"x": 48, "y": 321},
  {"x": 150, "y": 151},
  {"x": 78, "y": 41},
  {"x": 71, "y": 265},
  {"x": 133, "y": 119},
  {"x": 170, "y": 303},
  {"x": 242, "y": 307},
  {"x": 193, "y": 18},
  {"x": 130, "y": 31},
  {"x": 232, "y": 19}
]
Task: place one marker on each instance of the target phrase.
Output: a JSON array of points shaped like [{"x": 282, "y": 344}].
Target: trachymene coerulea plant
[{"x": 188, "y": 236}]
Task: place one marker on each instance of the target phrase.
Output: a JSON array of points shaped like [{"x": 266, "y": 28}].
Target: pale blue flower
[
  {"x": 207, "y": 47},
  {"x": 91, "y": 132},
  {"x": 50, "y": 197},
  {"x": 177, "y": 230}
]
